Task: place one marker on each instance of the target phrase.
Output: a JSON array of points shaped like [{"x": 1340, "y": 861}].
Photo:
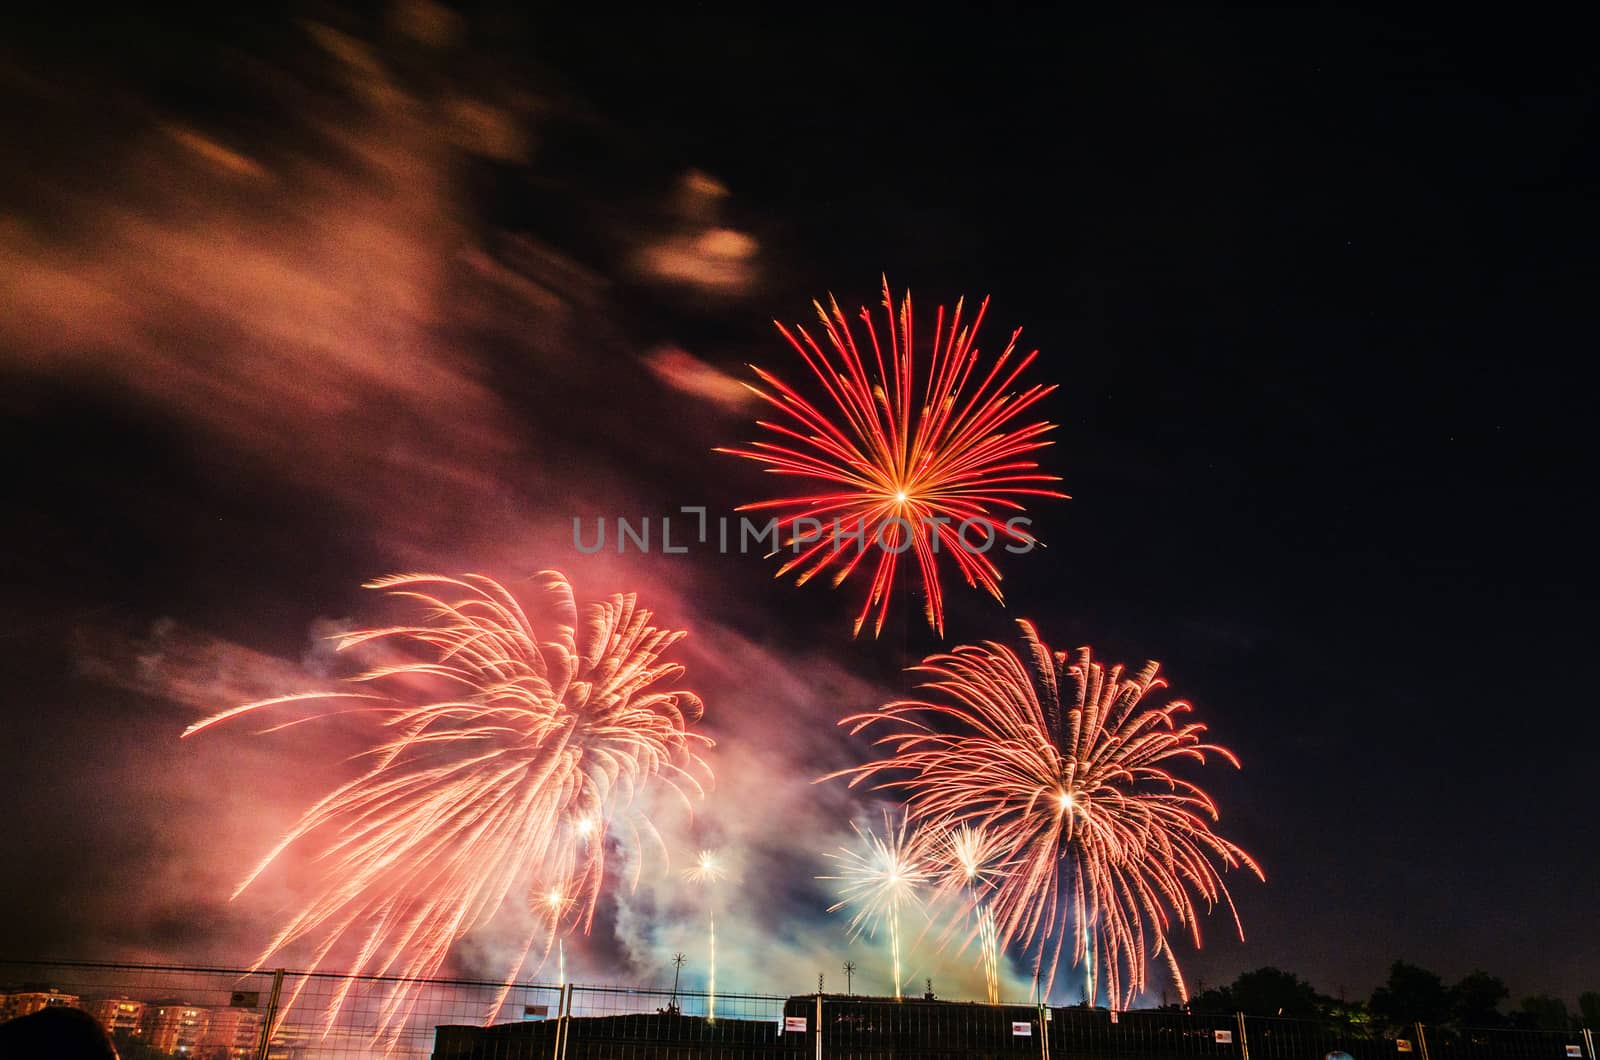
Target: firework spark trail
[
  {"x": 506, "y": 757},
  {"x": 967, "y": 858},
  {"x": 989, "y": 939},
  {"x": 1059, "y": 759},
  {"x": 880, "y": 877},
  {"x": 556, "y": 903},
  {"x": 708, "y": 871},
  {"x": 911, "y": 472}
]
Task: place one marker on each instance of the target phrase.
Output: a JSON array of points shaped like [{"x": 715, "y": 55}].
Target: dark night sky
[{"x": 1310, "y": 283}]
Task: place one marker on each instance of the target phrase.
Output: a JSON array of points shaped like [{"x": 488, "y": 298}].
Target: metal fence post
[
  {"x": 563, "y": 1014},
  {"x": 1044, "y": 1033},
  {"x": 1244, "y": 1038},
  {"x": 1422, "y": 1040},
  {"x": 1588, "y": 1041},
  {"x": 272, "y": 1014}
]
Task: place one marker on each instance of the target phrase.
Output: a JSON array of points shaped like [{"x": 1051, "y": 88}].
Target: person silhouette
[{"x": 55, "y": 1033}]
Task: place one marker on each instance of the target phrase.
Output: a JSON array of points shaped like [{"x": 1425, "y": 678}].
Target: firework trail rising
[
  {"x": 967, "y": 858},
  {"x": 927, "y": 462},
  {"x": 506, "y": 755},
  {"x": 880, "y": 877},
  {"x": 707, "y": 871},
  {"x": 555, "y": 904},
  {"x": 1062, "y": 763}
]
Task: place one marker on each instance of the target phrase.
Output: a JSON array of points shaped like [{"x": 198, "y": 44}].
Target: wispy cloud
[
  {"x": 318, "y": 317},
  {"x": 684, "y": 371}
]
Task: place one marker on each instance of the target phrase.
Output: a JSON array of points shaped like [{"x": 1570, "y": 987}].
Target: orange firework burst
[
  {"x": 1063, "y": 765},
  {"x": 506, "y": 758},
  {"x": 909, "y": 461}
]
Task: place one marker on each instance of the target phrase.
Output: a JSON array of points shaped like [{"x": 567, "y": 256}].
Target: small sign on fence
[
  {"x": 1223, "y": 1037},
  {"x": 535, "y": 1012},
  {"x": 794, "y": 1024},
  {"x": 1403, "y": 1044},
  {"x": 1022, "y": 1029},
  {"x": 1575, "y": 1050},
  {"x": 244, "y": 999}
]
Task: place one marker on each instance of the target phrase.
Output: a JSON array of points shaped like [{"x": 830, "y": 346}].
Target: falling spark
[
  {"x": 927, "y": 462},
  {"x": 556, "y": 902},
  {"x": 879, "y": 878},
  {"x": 507, "y": 754},
  {"x": 967, "y": 857},
  {"x": 708, "y": 871},
  {"x": 1062, "y": 763}
]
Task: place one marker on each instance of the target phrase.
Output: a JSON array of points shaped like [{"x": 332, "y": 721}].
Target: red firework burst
[{"x": 925, "y": 462}]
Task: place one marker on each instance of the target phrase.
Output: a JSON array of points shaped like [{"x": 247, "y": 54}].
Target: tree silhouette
[
  {"x": 1477, "y": 998},
  {"x": 1545, "y": 1013},
  {"x": 1350, "y": 1013},
  {"x": 1264, "y": 992},
  {"x": 1274, "y": 992},
  {"x": 1412, "y": 995},
  {"x": 1216, "y": 1000}
]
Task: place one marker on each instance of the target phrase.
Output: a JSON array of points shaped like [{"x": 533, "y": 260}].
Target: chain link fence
[{"x": 158, "y": 1011}]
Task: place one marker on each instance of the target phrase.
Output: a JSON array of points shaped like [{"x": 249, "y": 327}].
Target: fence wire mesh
[
  {"x": 157, "y": 1011},
  {"x": 1287, "y": 1039},
  {"x": 620, "y": 1023},
  {"x": 220, "y": 1013},
  {"x": 1507, "y": 1044},
  {"x": 1095, "y": 1033},
  {"x": 880, "y": 1028}
]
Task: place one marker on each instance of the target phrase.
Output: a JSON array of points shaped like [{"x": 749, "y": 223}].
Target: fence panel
[
  {"x": 149, "y": 1010},
  {"x": 219, "y": 1013},
  {"x": 157, "y": 1011},
  {"x": 1097, "y": 1034},
  {"x": 1503, "y": 1044},
  {"x": 619, "y": 1023},
  {"x": 857, "y": 1028},
  {"x": 335, "y": 1017},
  {"x": 1289, "y": 1039}
]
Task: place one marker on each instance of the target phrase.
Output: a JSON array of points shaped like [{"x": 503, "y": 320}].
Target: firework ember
[
  {"x": 1061, "y": 762},
  {"x": 929, "y": 462},
  {"x": 707, "y": 871},
  {"x": 967, "y": 860},
  {"x": 505, "y": 759},
  {"x": 881, "y": 877}
]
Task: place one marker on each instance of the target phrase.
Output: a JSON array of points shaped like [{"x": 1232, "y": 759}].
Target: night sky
[{"x": 286, "y": 304}]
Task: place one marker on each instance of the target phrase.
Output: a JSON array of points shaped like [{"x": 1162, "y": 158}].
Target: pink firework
[
  {"x": 505, "y": 757},
  {"x": 1065, "y": 768}
]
